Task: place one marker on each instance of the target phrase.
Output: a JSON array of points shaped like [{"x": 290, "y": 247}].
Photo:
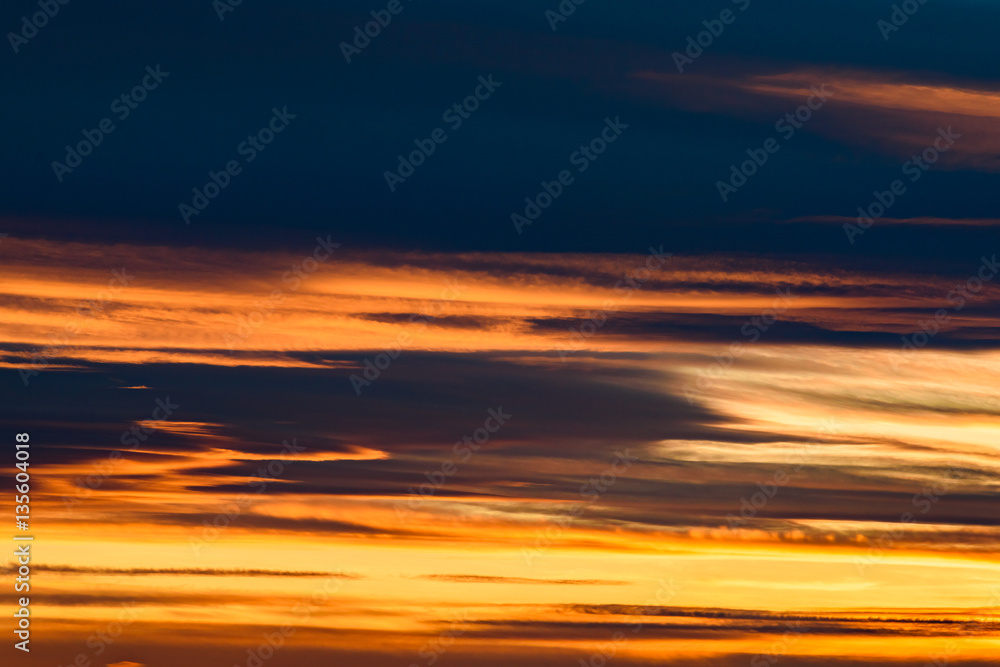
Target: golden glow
[{"x": 175, "y": 524}]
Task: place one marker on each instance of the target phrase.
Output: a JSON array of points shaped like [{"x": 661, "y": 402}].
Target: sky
[{"x": 636, "y": 333}]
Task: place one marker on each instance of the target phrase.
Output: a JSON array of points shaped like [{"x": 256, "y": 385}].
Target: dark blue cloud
[{"x": 325, "y": 172}]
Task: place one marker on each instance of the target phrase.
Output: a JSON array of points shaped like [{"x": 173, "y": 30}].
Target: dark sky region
[{"x": 353, "y": 120}]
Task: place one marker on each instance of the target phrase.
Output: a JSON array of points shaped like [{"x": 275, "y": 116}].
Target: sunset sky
[{"x": 504, "y": 335}]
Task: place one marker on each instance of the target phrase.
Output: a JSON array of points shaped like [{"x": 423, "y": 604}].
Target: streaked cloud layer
[
  {"x": 655, "y": 426},
  {"x": 818, "y": 459}
]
